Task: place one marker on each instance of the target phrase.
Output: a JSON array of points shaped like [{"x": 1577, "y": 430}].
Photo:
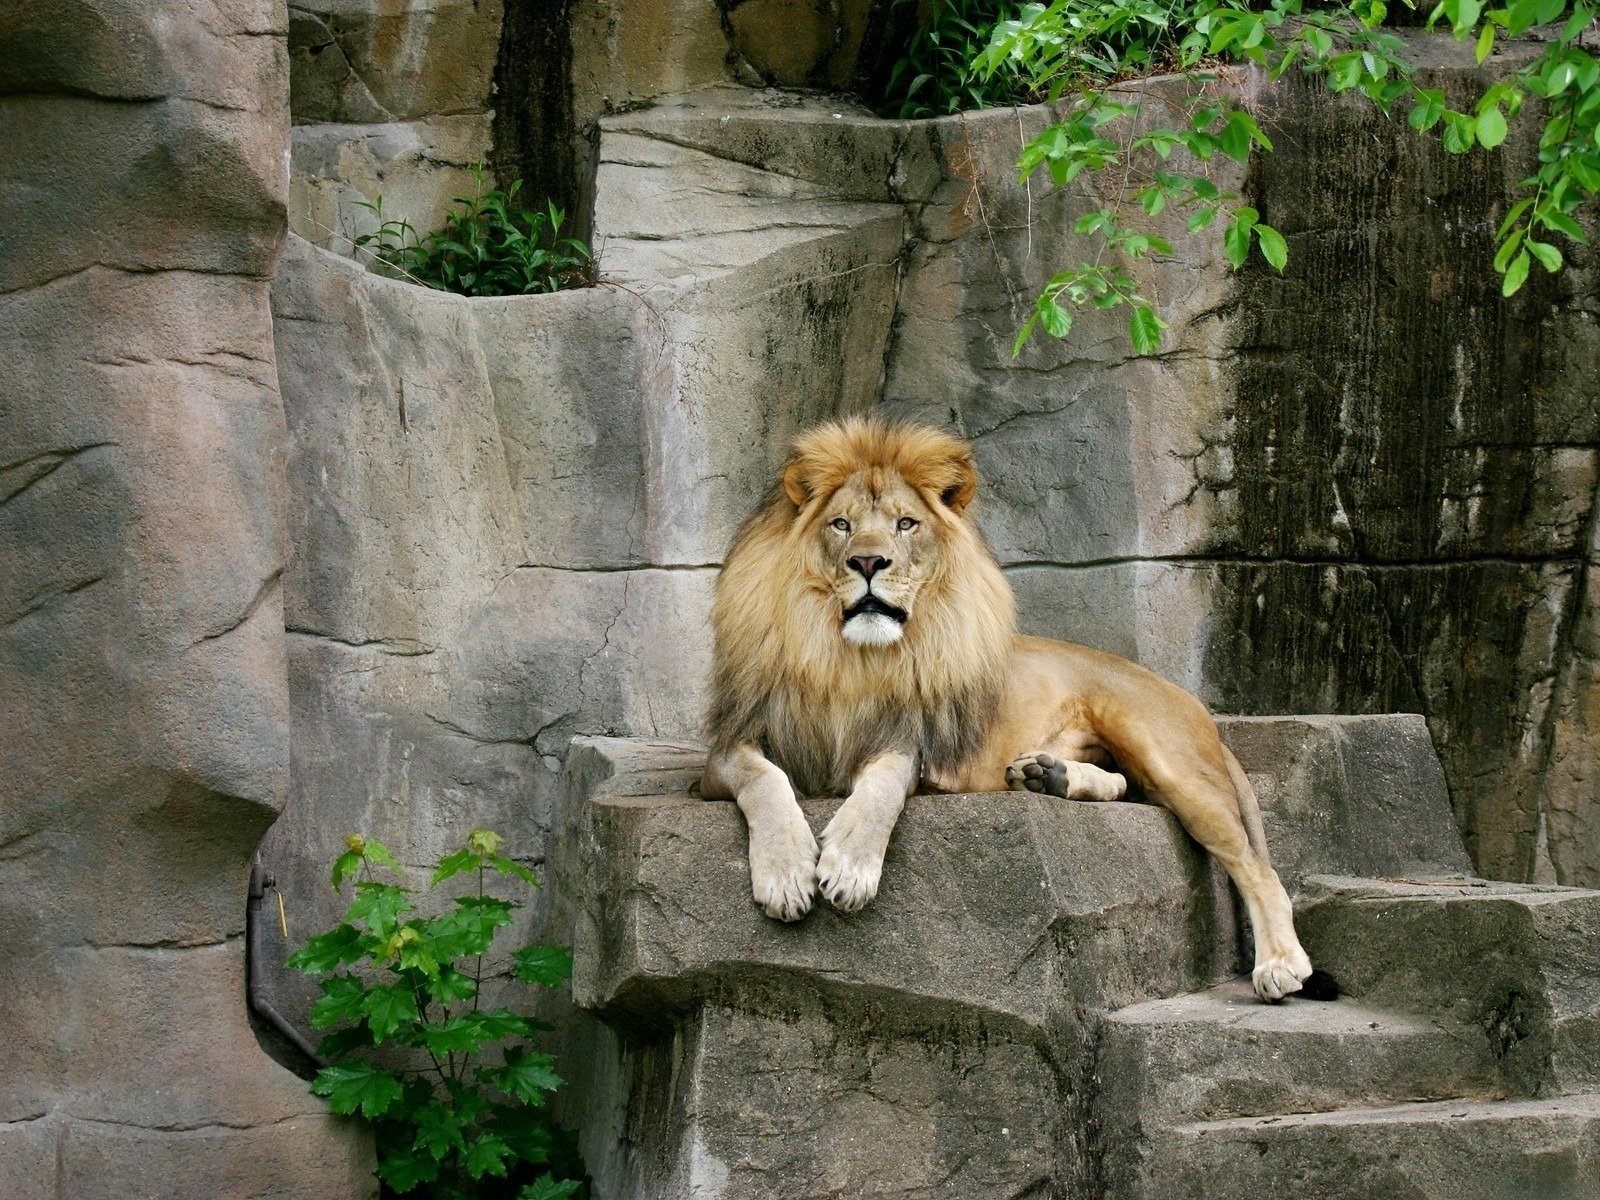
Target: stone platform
[{"x": 1045, "y": 999}]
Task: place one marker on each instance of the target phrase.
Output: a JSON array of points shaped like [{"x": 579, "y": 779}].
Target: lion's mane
[{"x": 786, "y": 681}]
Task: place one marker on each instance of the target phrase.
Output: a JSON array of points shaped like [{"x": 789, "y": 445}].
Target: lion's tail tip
[{"x": 1319, "y": 985}]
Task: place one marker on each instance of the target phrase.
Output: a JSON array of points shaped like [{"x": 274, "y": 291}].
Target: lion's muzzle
[{"x": 873, "y": 621}]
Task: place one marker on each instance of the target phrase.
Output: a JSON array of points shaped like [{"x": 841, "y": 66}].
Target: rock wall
[
  {"x": 507, "y": 514},
  {"x": 1365, "y": 486},
  {"x": 142, "y": 682}
]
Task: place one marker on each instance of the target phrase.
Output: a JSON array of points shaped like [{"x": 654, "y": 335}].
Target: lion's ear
[
  {"x": 960, "y": 485},
  {"x": 795, "y": 484}
]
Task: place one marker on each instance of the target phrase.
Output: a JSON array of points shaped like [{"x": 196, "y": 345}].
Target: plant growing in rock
[
  {"x": 936, "y": 74},
  {"x": 1079, "y": 48},
  {"x": 488, "y": 246},
  {"x": 457, "y": 1099}
]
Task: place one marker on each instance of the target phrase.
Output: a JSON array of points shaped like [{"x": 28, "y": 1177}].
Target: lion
[{"x": 866, "y": 646}]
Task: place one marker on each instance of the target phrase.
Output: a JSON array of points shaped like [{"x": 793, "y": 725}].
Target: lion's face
[
  {"x": 878, "y": 546},
  {"x": 859, "y": 608}
]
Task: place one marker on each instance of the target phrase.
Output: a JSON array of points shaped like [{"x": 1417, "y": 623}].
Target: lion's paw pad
[{"x": 1043, "y": 773}]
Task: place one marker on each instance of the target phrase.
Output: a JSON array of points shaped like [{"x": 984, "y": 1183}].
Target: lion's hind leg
[{"x": 1052, "y": 775}]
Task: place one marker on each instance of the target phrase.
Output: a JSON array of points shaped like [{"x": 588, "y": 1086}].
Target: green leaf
[
  {"x": 341, "y": 1001},
  {"x": 508, "y": 866},
  {"x": 1516, "y": 274},
  {"x": 404, "y": 1170},
  {"x": 340, "y": 1043},
  {"x": 438, "y": 1129},
  {"x": 456, "y": 1036},
  {"x": 527, "y": 1075},
  {"x": 359, "y": 1085},
  {"x": 1144, "y": 329},
  {"x": 1549, "y": 256},
  {"x": 1562, "y": 223},
  {"x": 387, "y": 1008},
  {"x": 496, "y": 1023},
  {"x": 1485, "y": 42},
  {"x": 1460, "y": 132},
  {"x": 1273, "y": 247},
  {"x": 339, "y": 947},
  {"x": 1517, "y": 209},
  {"x": 451, "y": 985},
  {"x": 379, "y": 853},
  {"x": 1491, "y": 128},
  {"x": 378, "y": 906},
  {"x": 1236, "y": 238},
  {"x": 486, "y": 1154},
  {"x": 546, "y": 1187},
  {"x": 345, "y": 865},
  {"x": 547, "y": 965},
  {"x": 1056, "y": 320},
  {"x": 1502, "y": 258},
  {"x": 1023, "y": 335},
  {"x": 455, "y": 864}
]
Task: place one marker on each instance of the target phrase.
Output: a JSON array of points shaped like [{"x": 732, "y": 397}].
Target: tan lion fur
[{"x": 787, "y": 682}]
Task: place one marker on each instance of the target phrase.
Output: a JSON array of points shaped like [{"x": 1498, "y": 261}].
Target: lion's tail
[{"x": 1249, "y": 810}]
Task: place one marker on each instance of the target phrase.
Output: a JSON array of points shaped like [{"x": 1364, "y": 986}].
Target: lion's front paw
[
  {"x": 852, "y": 861},
  {"x": 1280, "y": 975},
  {"x": 783, "y": 870}
]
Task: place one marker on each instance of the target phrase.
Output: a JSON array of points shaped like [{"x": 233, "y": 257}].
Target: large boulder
[{"x": 142, "y": 550}]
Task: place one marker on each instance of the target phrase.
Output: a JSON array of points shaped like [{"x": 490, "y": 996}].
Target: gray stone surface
[
  {"x": 388, "y": 100},
  {"x": 1515, "y": 962},
  {"x": 146, "y": 710},
  {"x": 1353, "y": 795},
  {"x": 1007, "y": 1017},
  {"x": 1449, "y": 1150}
]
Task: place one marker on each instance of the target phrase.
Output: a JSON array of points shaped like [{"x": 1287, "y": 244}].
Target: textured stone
[
  {"x": 1446, "y": 1150},
  {"x": 1515, "y": 963},
  {"x": 1003, "y": 1018},
  {"x": 1571, "y": 815},
  {"x": 415, "y": 168},
  {"x": 1355, "y": 795},
  {"x": 371, "y": 62},
  {"x": 1040, "y": 905},
  {"x": 141, "y": 613},
  {"x": 943, "y": 1110}
]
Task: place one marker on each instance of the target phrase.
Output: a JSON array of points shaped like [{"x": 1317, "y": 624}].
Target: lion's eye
[
  {"x": 840, "y": 524},
  {"x": 906, "y": 523}
]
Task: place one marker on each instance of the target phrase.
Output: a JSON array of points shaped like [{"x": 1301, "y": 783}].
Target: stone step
[
  {"x": 1440, "y": 1150},
  {"x": 1516, "y": 963},
  {"x": 1221, "y": 1054}
]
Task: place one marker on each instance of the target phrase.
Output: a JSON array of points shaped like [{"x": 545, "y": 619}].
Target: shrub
[
  {"x": 451, "y": 1121},
  {"x": 1077, "y": 48},
  {"x": 935, "y": 75},
  {"x": 486, "y": 247}
]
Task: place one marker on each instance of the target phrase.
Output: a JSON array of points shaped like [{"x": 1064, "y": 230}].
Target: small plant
[
  {"x": 486, "y": 247},
  {"x": 935, "y": 76},
  {"x": 452, "y": 1122}
]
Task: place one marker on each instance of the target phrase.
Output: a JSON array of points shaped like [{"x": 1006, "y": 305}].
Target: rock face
[
  {"x": 142, "y": 546},
  {"x": 997, "y": 1021},
  {"x": 387, "y": 100},
  {"x": 1367, "y": 485}
]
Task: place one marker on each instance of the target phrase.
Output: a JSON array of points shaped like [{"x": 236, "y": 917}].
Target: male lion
[{"x": 866, "y": 642}]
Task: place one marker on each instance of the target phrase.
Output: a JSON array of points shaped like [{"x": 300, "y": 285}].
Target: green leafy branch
[
  {"x": 457, "y": 1114},
  {"x": 1085, "y": 47}
]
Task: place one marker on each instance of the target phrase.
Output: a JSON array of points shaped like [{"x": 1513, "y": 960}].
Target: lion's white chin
[{"x": 872, "y": 629}]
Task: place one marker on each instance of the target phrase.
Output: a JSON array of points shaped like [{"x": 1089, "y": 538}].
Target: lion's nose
[{"x": 868, "y": 564}]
